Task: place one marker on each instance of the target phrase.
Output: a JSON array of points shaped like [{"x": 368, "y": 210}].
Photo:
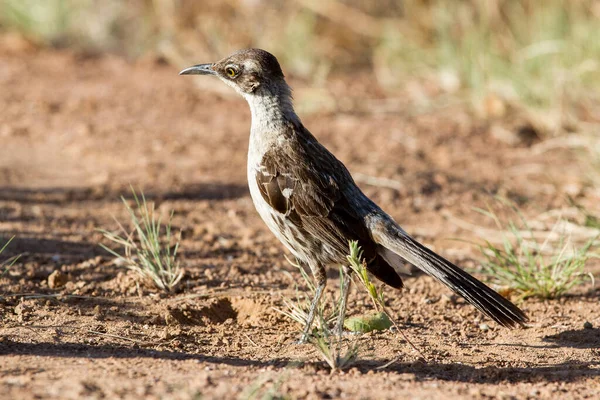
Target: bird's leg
[
  {"x": 342, "y": 311},
  {"x": 321, "y": 278}
]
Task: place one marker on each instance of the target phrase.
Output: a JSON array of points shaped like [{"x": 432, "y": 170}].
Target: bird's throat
[{"x": 271, "y": 108}]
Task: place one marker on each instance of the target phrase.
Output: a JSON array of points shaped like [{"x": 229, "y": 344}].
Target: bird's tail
[{"x": 389, "y": 235}]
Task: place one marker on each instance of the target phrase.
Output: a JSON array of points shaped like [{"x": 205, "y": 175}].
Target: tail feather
[{"x": 475, "y": 292}]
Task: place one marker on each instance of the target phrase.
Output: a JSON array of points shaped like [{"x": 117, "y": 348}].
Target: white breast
[{"x": 268, "y": 115}]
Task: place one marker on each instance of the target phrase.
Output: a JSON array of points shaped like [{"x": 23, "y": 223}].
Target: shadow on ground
[
  {"x": 35, "y": 205},
  {"x": 69, "y": 251},
  {"x": 579, "y": 339},
  {"x": 422, "y": 371},
  {"x": 65, "y": 195}
]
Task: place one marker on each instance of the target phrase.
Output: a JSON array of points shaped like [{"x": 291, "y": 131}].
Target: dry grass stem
[{"x": 148, "y": 248}]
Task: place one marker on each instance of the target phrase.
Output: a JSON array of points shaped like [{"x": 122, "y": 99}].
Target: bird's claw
[{"x": 303, "y": 339}]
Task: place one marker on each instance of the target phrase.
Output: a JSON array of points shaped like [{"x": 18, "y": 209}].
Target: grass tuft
[
  {"x": 359, "y": 266},
  {"x": 590, "y": 219},
  {"x": 297, "y": 309},
  {"x": 147, "y": 248},
  {"x": 5, "y": 265},
  {"x": 531, "y": 267},
  {"x": 383, "y": 319},
  {"x": 43, "y": 21},
  {"x": 336, "y": 352}
]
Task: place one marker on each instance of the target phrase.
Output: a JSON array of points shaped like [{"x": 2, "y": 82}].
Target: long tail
[{"x": 388, "y": 234}]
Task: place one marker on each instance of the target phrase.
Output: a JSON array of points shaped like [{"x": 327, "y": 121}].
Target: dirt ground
[{"x": 76, "y": 130}]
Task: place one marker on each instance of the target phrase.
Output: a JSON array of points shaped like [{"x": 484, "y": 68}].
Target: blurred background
[
  {"x": 494, "y": 54},
  {"x": 426, "y": 87},
  {"x": 438, "y": 108}
]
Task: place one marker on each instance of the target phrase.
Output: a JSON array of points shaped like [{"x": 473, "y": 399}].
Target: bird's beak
[{"x": 200, "y": 69}]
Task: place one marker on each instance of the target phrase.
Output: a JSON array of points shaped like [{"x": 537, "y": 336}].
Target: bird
[{"x": 310, "y": 202}]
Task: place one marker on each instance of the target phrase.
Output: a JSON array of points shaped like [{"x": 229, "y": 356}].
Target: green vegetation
[
  {"x": 83, "y": 24},
  {"x": 540, "y": 54},
  {"x": 532, "y": 266},
  {"x": 43, "y": 21},
  {"x": 364, "y": 324},
  {"x": 5, "y": 265},
  {"x": 359, "y": 266},
  {"x": 336, "y": 352},
  {"x": 148, "y": 248}
]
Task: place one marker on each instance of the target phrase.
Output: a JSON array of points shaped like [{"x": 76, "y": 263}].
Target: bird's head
[{"x": 247, "y": 71}]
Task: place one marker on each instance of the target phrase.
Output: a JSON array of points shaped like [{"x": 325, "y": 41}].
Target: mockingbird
[{"x": 309, "y": 200}]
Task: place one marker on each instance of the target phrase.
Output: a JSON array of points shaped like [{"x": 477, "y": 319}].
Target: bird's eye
[{"x": 231, "y": 72}]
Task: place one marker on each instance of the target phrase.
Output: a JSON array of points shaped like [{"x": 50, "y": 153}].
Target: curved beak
[{"x": 200, "y": 69}]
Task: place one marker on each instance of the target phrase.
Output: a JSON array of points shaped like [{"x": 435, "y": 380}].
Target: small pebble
[
  {"x": 484, "y": 327},
  {"x": 448, "y": 299},
  {"x": 57, "y": 279},
  {"x": 587, "y": 325}
]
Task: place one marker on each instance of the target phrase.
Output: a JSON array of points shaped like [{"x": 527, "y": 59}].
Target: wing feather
[{"x": 304, "y": 181}]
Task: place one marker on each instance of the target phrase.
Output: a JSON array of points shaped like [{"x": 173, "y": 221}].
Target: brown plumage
[
  {"x": 309, "y": 200},
  {"x": 324, "y": 218}
]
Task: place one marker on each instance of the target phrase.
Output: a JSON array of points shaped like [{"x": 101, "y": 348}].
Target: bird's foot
[
  {"x": 339, "y": 329},
  {"x": 302, "y": 340}
]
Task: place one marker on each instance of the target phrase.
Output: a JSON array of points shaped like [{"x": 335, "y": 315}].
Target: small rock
[
  {"x": 449, "y": 80},
  {"x": 165, "y": 334},
  {"x": 573, "y": 189},
  {"x": 448, "y": 299},
  {"x": 484, "y": 327},
  {"x": 57, "y": 279},
  {"x": 98, "y": 314},
  {"x": 505, "y": 135},
  {"x": 587, "y": 325},
  {"x": 534, "y": 393},
  {"x": 21, "y": 309},
  {"x": 493, "y": 106},
  {"x": 171, "y": 319}
]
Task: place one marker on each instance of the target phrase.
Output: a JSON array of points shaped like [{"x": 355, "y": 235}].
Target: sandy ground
[{"x": 77, "y": 130}]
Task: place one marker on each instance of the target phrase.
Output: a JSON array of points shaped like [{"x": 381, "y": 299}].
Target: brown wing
[{"x": 304, "y": 181}]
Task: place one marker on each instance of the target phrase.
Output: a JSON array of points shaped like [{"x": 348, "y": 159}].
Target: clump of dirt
[
  {"x": 213, "y": 311},
  {"x": 251, "y": 312},
  {"x": 57, "y": 279}
]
